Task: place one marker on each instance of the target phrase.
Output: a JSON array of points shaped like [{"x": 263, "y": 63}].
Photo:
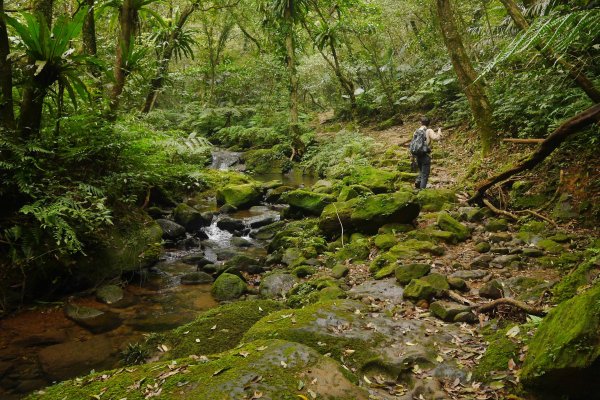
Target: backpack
[{"x": 418, "y": 145}]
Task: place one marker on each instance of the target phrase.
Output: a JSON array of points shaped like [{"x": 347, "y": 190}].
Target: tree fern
[{"x": 578, "y": 30}]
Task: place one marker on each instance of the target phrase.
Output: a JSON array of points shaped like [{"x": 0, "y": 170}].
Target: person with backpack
[{"x": 420, "y": 147}]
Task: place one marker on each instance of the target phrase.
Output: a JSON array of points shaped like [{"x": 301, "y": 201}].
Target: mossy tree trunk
[
  {"x": 290, "y": 50},
  {"x": 575, "y": 71},
  {"x": 127, "y": 19},
  {"x": 7, "y": 114},
  {"x": 467, "y": 76}
]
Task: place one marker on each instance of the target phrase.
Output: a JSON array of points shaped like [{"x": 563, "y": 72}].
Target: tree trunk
[
  {"x": 570, "y": 127},
  {"x": 7, "y": 114},
  {"x": 89, "y": 31},
  {"x": 474, "y": 90},
  {"x": 163, "y": 64},
  {"x": 293, "y": 77},
  {"x": 575, "y": 71},
  {"x": 124, "y": 42},
  {"x": 32, "y": 103}
]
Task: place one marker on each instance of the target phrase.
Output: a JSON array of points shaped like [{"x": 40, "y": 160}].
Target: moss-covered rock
[
  {"x": 550, "y": 246},
  {"x": 435, "y": 199},
  {"x": 228, "y": 287},
  {"x": 447, "y": 310},
  {"x": 353, "y": 191},
  {"x": 190, "y": 218},
  {"x": 500, "y": 350},
  {"x": 563, "y": 355},
  {"x": 395, "y": 228},
  {"x": 496, "y": 225},
  {"x": 302, "y": 271},
  {"x": 276, "y": 284},
  {"x": 431, "y": 234},
  {"x": 382, "y": 261},
  {"x": 408, "y": 272},
  {"x": 418, "y": 289},
  {"x": 377, "y": 180},
  {"x": 307, "y": 202},
  {"x": 239, "y": 196},
  {"x": 412, "y": 247},
  {"x": 355, "y": 251},
  {"x": 271, "y": 367},
  {"x": 483, "y": 247},
  {"x": 581, "y": 276},
  {"x": 385, "y": 241},
  {"x": 273, "y": 195},
  {"x": 449, "y": 224},
  {"x": 304, "y": 235}
]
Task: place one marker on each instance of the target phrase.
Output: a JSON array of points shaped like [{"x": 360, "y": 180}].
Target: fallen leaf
[
  {"x": 514, "y": 331},
  {"x": 220, "y": 371},
  {"x": 312, "y": 394},
  {"x": 367, "y": 380},
  {"x": 213, "y": 327},
  {"x": 300, "y": 385},
  {"x": 244, "y": 354}
]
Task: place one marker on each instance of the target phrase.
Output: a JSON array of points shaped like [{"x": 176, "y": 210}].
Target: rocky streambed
[{"x": 349, "y": 288}]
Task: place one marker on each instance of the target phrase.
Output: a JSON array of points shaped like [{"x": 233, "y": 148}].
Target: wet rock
[
  {"x": 194, "y": 259},
  {"x": 262, "y": 220},
  {"x": 228, "y": 287},
  {"x": 446, "y": 310},
  {"x": 467, "y": 317},
  {"x": 109, "y": 294},
  {"x": 276, "y": 285},
  {"x": 156, "y": 212},
  {"x": 532, "y": 252},
  {"x": 307, "y": 203},
  {"x": 482, "y": 261},
  {"x": 231, "y": 224},
  {"x": 196, "y": 278},
  {"x": 446, "y": 223},
  {"x": 472, "y": 274},
  {"x": 273, "y": 195},
  {"x": 267, "y": 232},
  {"x": 482, "y": 247},
  {"x": 61, "y": 361},
  {"x": 240, "y": 242},
  {"x": 408, "y": 272},
  {"x": 190, "y": 218},
  {"x": 239, "y": 196},
  {"x": 227, "y": 209},
  {"x": 496, "y": 225},
  {"x": 92, "y": 319},
  {"x": 171, "y": 230},
  {"x": 563, "y": 354},
  {"x": 491, "y": 290},
  {"x": 339, "y": 271}
]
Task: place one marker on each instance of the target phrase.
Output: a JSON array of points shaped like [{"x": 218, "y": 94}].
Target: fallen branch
[
  {"x": 524, "y": 141},
  {"x": 572, "y": 126},
  {"x": 457, "y": 297},
  {"x": 540, "y": 216},
  {"x": 498, "y": 211},
  {"x": 511, "y": 302}
]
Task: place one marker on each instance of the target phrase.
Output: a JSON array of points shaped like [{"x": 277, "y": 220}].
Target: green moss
[
  {"x": 378, "y": 180},
  {"x": 449, "y": 224},
  {"x": 395, "y": 228},
  {"x": 353, "y": 191},
  {"x": 434, "y": 199},
  {"x": 375, "y": 211},
  {"x": 432, "y": 234},
  {"x": 228, "y": 287},
  {"x": 406, "y": 273},
  {"x": 307, "y": 202},
  {"x": 355, "y": 250},
  {"x": 382, "y": 261},
  {"x": 412, "y": 247},
  {"x": 384, "y": 272},
  {"x": 231, "y": 321},
  {"x": 239, "y": 196},
  {"x": 236, "y": 374},
  {"x": 569, "y": 285},
  {"x": 303, "y": 271},
  {"x": 566, "y": 343},
  {"x": 302, "y": 234},
  {"x": 496, "y": 225},
  {"x": 550, "y": 246},
  {"x": 500, "y": 350},
  {"x": 385, "y": 241},
  {"x": 263, "y": 161}
]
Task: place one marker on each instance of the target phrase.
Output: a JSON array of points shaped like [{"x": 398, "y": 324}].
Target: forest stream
[{"x": 41, "y": 345}]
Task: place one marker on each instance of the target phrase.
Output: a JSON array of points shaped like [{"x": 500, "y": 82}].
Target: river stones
[
  {"x": 491, "y": 290},
  {"x": 239, "y": 196},
  {"x": 196, "y": 278},
  {"x": 92, "y": 319},
  {"x": 231, "y": 224},
  {"x": 446, "y": 223},
  {"x": 447, "y": 310},
  {"x": 408, "y": 272},
  {"x": 110, "y": 294},
  {"x": 306, "y": 202},
  {"x": 470, "y": 274},
  {"x": 171, "y": 230},
  {"x": 190, "y": 218}
]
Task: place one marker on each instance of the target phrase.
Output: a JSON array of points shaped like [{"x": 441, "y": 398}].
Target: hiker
[{"x": 420, "y": 147}]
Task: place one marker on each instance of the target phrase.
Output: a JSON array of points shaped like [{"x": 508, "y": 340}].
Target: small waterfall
[{"x": 223, "y": 160}]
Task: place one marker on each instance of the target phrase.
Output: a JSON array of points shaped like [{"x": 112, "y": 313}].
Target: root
[{"x": 511, "y": 302}]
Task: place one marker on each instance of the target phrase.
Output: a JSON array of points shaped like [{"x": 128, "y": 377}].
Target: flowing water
[{"x": 39, "y": 346}]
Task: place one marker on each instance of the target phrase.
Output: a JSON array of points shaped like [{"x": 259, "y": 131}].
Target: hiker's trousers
[{"x": 424, "y": 164}]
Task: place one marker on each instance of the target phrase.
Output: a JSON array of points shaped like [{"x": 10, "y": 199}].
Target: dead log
[
  {"x": 523, "y": 141},
  {"x": 568, "y": 128},
  {"x": 511, "y": 302}
]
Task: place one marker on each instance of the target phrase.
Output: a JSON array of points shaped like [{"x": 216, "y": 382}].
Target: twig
[
  {"x": 524, "y": 141},
  {"x": 498, "y": 211},
  {"x": 540, "y": 216},
  {"x": 457, "y": 297},
  {"x": 511, "y": 302},
  {"x": 341, "y": 225}
]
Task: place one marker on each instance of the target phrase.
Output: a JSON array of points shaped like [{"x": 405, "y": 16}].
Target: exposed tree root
[
  {"x": 511, "y": 302},
  {"x": 570, "y": 127},
  {"x": 457, "y": 297},
  {"x": 498, "y": 211}
]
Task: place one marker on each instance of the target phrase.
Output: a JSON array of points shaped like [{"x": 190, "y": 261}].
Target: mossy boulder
[
  {"x": 272, "y": 368},
  {"x": 302, "y": 271},
  {"x": 435, "y": 199},
  {"x": 276, "y": 284},
  {"x": 385, "y": 241},
  {"x": 382, "y": 261},
  {"x": 408, "y": 272},
  {"x": 500, "y": 350},
  {"x": 431, "y": 234},
  {"x": 353, "y": 191},
  {"x": 231, "y": 321},
  {"x": 339, "y": 271},
  {"x": 303, "y": 234},
  {"x": 395, "y": 228},
  {"x": 446, "y": 223},
  {"x": 375, "y": 211},
  {"x": 273, "y": 195},
  {"x": 412, "y": 247},
  {"x": 564, "y": 354},
  {"x": 377, "y": 180},
  {"x": 581, "y": 276},
  {"x": 228, "y": 287},
  {"x": 306, "y": 202},
  {"x": 190, "y": 218},
  {"x": 496, "y": 225},
  {"x": 447, "y": 310},
  {"x": 550, "y": 246},
  {"x": 357, "y": 250},
  {"x": 419, "y": 289},
  {"x": 239, "y": 196}
]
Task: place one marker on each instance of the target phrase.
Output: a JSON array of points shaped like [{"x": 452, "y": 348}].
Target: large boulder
[
  {"x": 228, "y": 287},
  {"x": 306, "y": 202},
  {"x": 377, "y": 180},
  {"x": 239, "y": 196},
  {"x": 190, "y": 218},
  {"x": 434, "y": 199},
  {"x": 171, "y": 230},
  {"x": 276, "y": 285},
  {"x": 564, "y": 354}
]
